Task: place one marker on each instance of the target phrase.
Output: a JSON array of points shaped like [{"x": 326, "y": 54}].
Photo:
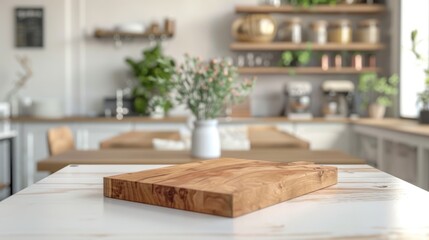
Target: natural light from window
[{"x": 414, "y": 15}]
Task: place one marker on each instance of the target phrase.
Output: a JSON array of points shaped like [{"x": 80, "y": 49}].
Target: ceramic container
[
  {"x": 254, "y": 28},
  {"x": 376, "y": 111},
  {"x": 340, "y": 31},
  {"x": 205, "y": 139}
]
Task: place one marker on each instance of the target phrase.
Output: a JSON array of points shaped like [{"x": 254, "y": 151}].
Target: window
[{"x": 414, "y": 15}]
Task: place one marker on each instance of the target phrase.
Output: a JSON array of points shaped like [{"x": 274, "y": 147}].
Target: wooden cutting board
[{"x": 225, "y": 187}]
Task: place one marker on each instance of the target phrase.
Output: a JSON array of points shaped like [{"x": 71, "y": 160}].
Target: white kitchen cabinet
[
  {"x": 324, "y": 136},
  {"x": 366, "y": 147},
  {"x": 403, "y": 155},
  {"x": 89, "y": 135},
  {"x": 400, "y": 154},
  {"x": 33, "y": 147},
  {"x": 162, "y": 126},
  {"x": 4, "y": 168}
]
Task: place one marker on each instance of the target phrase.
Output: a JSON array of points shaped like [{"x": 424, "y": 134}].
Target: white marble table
[{"x": 69, "y": 204}]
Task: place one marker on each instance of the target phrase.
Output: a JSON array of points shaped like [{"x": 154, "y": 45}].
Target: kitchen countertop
[
  {"x": 182, "y": 119},
  {"x": 365, "y": 204},
  {"x": 398, "y": 125},
  {"x": 151, "y": 156},
  {"x": 394, "y": 124},
  {"x": 86, "y": 119}
]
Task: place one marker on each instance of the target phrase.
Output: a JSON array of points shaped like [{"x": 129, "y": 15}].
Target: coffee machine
[
  {"x": 298, "y": 100},
  {"x": 339, "y": 99}
]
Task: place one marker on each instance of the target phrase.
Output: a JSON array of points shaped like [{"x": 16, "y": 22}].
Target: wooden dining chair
[{"x": 60, "y": 140}]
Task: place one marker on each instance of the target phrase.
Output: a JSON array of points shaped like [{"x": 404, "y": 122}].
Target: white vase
[
  {"x": 205, "y": 139},
  {"x": 376, "y": 111}
]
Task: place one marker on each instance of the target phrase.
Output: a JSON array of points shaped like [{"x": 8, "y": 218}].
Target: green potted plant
[
  {"x": 154, "y": 84},
  {"x": 422, "y": 97},
  {"x": 309, "y": 3},
  {"x": 295, "y": 58},
  {"x": 377, "y": 93},
  {"x": 206, "y": 88}
]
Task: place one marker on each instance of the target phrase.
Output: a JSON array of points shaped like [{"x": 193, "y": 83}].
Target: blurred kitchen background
[{"x": 320, "y": 66}]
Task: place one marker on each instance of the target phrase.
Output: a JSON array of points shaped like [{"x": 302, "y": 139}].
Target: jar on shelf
[
  {"x": 319, "y": 32},
  {"x": 338, "y": 61},
  {"x": 357, "y": 61},
  {"x": 340, "y": 31},
  {"x": 372, "y": 61},
  {"x": 324, "y": 62},
  {"x": 294, "y": 30},
  {"x": 368, "y": 31},
  {"x": 351, "y": 1},
  {"x": 275, "y": 3}
]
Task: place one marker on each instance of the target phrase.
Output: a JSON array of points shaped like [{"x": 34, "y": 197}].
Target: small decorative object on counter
[
  {"x": 319, "y": 32},
  {"x": 207, "y": 88},
  {"x": 357, "y": 61},
  {"x": 254, "y": 28},
  {"x": 368, "y": 31},
  {"x": 340, "y": 31},
  {"x": 377, "y": 92},
  {"x": 294, "y": 30},
  {"x": 12, "y": 96}
]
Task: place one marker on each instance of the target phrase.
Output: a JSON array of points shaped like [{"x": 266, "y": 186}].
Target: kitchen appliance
[
  {"x": 339, "y": 98},
  {"x": 120, "y": 106},
  {"x": 298, "y": 100}
]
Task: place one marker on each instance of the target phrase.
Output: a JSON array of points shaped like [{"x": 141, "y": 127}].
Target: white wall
[
  {"x": 80, "y": 71},
  {"x": 48, "y": 63}
]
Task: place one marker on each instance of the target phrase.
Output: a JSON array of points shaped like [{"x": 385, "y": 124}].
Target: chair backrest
[{"x": 60, "y": 140}]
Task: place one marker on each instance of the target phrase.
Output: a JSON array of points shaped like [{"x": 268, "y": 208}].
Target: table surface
[
  {"x": 365, "y": 204},
  {"x": 150, "y": 156},
  {"x": 258, "y": 136}
]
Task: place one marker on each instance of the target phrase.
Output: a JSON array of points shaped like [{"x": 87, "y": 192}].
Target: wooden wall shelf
[
  {"x": 282, "y": 46},
  {"x": 339, "y": 8},
  {"x": 303, "y": 70},
  {"x": 112, "y": 34}
]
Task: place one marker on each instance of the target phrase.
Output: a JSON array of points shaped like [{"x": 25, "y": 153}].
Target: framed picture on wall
[{"x": 29, "y": 27}]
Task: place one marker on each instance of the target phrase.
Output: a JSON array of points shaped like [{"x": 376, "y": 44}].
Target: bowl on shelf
[
  {"x": 254, "y": 28},
  {"x": 131, "y": 28}
]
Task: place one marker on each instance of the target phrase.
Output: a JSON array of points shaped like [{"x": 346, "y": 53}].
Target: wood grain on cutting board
[{"x": 224, "y": 187}]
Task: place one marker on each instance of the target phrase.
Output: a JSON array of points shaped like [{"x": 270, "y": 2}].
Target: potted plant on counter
[
  {"x": 206, "y": 88},
  {"x": 377, "y": 93},
  {"x": 422, "y": 97},
  {"x": 152, "y": 93}
]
